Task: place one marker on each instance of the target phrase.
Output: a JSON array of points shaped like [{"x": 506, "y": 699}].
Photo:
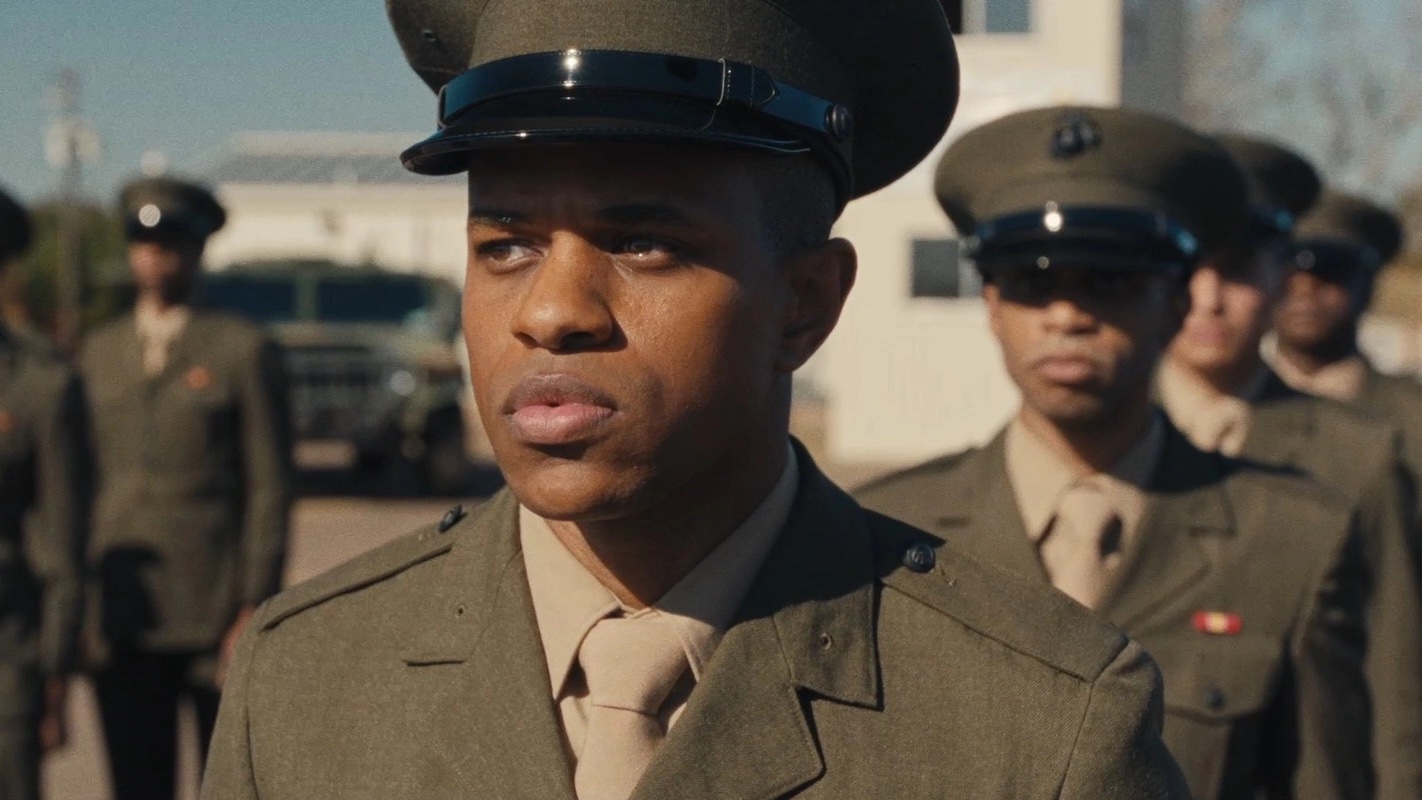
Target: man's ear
[
  {"x": 819, "y": 280},
  {"x": 992, "y": 299}
]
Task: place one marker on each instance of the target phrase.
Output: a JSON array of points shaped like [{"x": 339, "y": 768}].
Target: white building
[
  {"x": 912, "y": 370},
  {"x": 338, "y": 196}
]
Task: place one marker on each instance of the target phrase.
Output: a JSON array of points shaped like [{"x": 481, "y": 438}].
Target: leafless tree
[{"x": 1339, "y": 79}]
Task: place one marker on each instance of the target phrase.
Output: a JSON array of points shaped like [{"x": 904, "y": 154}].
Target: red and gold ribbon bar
[{"x": 1218, "y": 623}]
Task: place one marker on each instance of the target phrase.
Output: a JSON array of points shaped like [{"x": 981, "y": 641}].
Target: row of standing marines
[{"x": 1180, "y": 570}]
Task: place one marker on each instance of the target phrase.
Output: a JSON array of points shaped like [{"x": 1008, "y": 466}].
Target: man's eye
[
  {"x": 504, "y": 252},
  {"x": 645, "y": 247}
]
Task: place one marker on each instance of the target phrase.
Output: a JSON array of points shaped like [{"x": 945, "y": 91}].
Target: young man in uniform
[
  {"x": 1217, "y": 389},
  {"x": 1340, "y": 246},
  {"x": 192, "y": 445},
  {"x": 671, "y": 600},
  {"x": 43, "y": 517},
  {"x": 1086, "y": 224}
]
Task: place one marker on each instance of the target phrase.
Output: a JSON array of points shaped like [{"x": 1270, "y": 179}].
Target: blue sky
[{"x": 182, "y": 76}]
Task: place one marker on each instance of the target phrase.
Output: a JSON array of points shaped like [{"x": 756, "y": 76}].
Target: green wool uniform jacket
[
  {"x": 1278, "y": 709},
  {"x": 417, "y": 671},
  {"x": 43, "y": 520},
  {"x": 194, "y": 481},
  {"x": 1397, "y": 400},
  {"x": 1360, "y": 456}
]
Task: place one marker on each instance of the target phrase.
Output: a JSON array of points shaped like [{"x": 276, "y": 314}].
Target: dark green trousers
[{"x": 19, "y": 759}]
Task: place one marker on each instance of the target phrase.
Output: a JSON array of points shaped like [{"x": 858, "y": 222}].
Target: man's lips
[
  {"x": 556, "y": 409},
  {"x": 1066, "y": 369},
  {"x": 1207, "y": 333}
]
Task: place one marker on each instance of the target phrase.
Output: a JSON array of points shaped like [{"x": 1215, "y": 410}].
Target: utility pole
[{"x": 70, "y": 143}]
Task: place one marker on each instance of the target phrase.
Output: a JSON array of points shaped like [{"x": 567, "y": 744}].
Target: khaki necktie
[
  {"x": 631, "y": 665},
  {"x": 1082, "y": 546}
]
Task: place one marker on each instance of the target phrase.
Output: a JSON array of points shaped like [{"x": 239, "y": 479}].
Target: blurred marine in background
[
  {"x": 192, "y": 445},
  {"x": 1340, "y": 246},
  {"x": 1218, "y": 390},
  {"x": 1088, "y": 224},
  {"x": 43, "y": 516}
]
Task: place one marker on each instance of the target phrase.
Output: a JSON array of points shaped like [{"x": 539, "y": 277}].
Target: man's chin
[
  {"x": 576, "y": 491},
  {"x": 1074, "y": 411}
]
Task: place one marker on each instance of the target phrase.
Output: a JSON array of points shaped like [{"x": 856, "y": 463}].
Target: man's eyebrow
[
  {"x": 497, "y": 216},
  {"x": 644, "y": 213}
]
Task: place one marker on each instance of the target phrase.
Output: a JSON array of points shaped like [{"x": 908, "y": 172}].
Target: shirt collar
[
  {"x": 1039, "y": 476},
  {"x": 1202, "y": 412},
  {"x": 1342, "y": 380},
  {"x": 163, "y": 324},
  {"x": 568, "y": 600}
]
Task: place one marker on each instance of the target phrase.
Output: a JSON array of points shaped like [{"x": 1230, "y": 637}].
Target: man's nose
[{"x": 565, "y": 306}]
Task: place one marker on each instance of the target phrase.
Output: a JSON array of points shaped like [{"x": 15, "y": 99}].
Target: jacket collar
[
  {"x": 1187, "y": 513},
  {"x": 1186, "y": 507},
  {"x": 806, "y": 626}
]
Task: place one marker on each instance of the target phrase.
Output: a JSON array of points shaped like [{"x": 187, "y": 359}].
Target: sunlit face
[
  {"x": 1232, "y": 297},
  {"x": 167, "y": 269},
  {"x": 1316, "y": 312},
  {"x": 630, "y": 325},
  {"x": 1081, "y": 344}
]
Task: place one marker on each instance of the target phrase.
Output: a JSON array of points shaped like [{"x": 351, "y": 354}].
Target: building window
[
  {"x": 939, "y": 271},
  {"x": 990, "y": 16}
]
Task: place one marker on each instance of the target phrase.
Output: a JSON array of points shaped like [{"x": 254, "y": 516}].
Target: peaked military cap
[
  {"x": 168, "y": 208},
  {"x": 1108, "y": 188},
  {"x": 1344, "y": 236},
  {"x": 868, "y": 88},
  {"x": 15, "y": 228},
  {"x": 1282, "y": 183}
]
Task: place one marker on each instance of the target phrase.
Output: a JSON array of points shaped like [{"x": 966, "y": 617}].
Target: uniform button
[
  {"x": 1215, "y": 698},
  {"x": 451, "y": 518},
  {"x": 920, "y": 557}
]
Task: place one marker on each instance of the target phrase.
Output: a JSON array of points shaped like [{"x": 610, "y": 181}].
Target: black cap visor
[
  {"x": 583, "y": 96},
  {"x": 1335, "y": 261},
  {"x": 1110, "y": 239},
  {"x": 170, "y": 229}
]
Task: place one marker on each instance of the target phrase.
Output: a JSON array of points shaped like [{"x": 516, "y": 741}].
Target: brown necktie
[
  {"x": 631, "y": 665},
  {"x": 1080, "y": 549}
]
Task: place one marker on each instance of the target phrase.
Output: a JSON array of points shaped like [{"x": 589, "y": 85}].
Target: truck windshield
[
  {"x": 395, "y": 300},
  {"x": 259, "y": 299}
]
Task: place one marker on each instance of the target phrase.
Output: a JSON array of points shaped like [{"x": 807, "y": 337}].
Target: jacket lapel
[
  {"x": 1280, "y": 426},
  {"x": 806, "y": 630},
  {"x": 980, "y": 512},
  {"x": 1186, "y": 508},
  {"x": 498, "y": 731}
]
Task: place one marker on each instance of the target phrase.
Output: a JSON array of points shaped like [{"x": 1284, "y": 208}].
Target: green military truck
[{"x": 373, "y": 361}]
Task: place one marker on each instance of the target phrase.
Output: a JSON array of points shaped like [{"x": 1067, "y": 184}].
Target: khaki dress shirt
[
  {"x": 1040, "y": 477},
  {"x": 1342, "y": 380},
  {"x": 1211, "y": 420},
  {"x": 568, "y": 600},
  {"x": 157, "y": 331}
]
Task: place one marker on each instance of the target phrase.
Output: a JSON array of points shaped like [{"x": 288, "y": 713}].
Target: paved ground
[{"x": 339, "y": 517}]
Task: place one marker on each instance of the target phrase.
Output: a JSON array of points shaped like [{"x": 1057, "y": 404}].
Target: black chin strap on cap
[
  {"x": 1112, "y": 237},
  {"x": 631, "y": 96}
]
